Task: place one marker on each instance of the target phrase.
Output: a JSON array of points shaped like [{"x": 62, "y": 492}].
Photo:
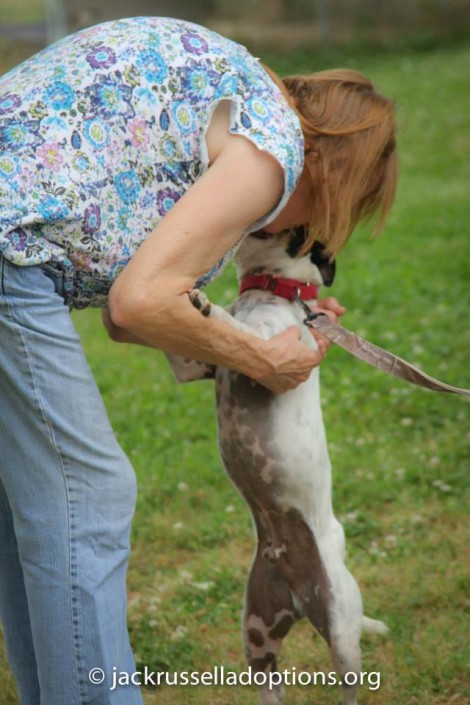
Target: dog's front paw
[{"x": 200, "y": 301}]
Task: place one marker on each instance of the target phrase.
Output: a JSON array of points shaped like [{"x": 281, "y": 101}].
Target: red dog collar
[{"x": 285, "y": 288}]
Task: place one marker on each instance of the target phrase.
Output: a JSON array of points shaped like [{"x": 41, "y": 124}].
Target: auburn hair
[{"x": 350, "y": 151}]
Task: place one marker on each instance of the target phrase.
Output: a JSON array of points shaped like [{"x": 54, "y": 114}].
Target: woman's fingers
[
  {"x": 321, "y": 340},
  {"x": 331, "y": 307},
  {"x": 334, "y": 310}
]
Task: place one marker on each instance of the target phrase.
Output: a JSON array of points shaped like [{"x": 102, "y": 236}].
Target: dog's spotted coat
[{"x": 274, "y": 449}]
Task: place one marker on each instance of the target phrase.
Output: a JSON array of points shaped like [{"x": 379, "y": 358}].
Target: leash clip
[
  {"x": 296, "y": 295},
  {"x": 311, "y": 315}
]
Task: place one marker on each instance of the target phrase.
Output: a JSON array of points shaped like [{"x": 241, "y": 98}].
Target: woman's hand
[
  {"x": 333, "y": 310},
  {"x": 290, "y": 361}
]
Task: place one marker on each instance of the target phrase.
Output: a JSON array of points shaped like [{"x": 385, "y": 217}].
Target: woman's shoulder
[{"x": 263, "y": 115}]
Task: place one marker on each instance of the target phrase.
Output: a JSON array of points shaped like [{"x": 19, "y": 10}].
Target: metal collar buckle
[{"x": 270, "y": 283}]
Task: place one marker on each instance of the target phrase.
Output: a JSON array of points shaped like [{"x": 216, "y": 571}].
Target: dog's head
[{"x": 278, "y": 255}]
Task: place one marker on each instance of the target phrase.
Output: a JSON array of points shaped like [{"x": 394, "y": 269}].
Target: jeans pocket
[{"x": 56, "y": 276}]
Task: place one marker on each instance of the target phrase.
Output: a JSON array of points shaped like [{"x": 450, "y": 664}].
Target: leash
[
  {"x": 382, "y": 359},
  {"x": 373, "y": 354}
]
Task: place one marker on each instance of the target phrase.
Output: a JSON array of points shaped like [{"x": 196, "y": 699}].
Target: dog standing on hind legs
[{"x": 274, "y": 450}]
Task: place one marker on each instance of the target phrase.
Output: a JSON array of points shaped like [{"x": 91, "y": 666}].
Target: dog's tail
[{"x": 374, "y": 626}]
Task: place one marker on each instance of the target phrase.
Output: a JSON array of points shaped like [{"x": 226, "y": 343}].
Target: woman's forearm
[
  {"x": 172, "y": 324},
  {"x": 186, "y": 345}
]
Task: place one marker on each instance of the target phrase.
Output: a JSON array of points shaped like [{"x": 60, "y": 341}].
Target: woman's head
[{"x": 350, "y": 156}]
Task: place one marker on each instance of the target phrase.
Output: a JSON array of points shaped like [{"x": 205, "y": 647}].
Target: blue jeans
[{"x": 67, "y": 497}]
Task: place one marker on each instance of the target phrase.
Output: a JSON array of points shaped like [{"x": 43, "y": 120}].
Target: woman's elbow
[
  {"x": 133, "y": 308},
  {"x": 117, "y": 335},
  {"x": 125, "y": 305}
]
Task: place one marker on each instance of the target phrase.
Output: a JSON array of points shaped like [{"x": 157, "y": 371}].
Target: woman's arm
[
  {"x": 184, "y": 369},
  {"x": 149, "y": 298},
  {"x": 120, "y": 335}
]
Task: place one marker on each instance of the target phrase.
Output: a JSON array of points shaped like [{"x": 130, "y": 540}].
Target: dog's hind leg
[
  {"x": 287, "y": 580},
  {"x": 268, "y": 615},
  {"x": 345, "y": 613},
  {"x": 327, "y": 592},
  {"x": 345, "y": 633}
]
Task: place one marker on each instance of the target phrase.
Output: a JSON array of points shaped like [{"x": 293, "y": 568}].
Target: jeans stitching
[
  {"x": 2, "y": 268},
  {"x": 70, "y": 514}
]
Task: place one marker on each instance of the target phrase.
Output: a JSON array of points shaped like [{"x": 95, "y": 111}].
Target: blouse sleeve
[{"x": 262, "y": 115}]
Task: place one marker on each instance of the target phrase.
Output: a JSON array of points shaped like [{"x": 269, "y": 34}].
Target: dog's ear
[{"x": 325, "y": 265}]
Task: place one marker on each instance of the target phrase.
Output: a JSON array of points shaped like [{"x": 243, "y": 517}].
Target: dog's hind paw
[
  {"x": 200, "y": 301},
  {"x": 272, "y": 696}
]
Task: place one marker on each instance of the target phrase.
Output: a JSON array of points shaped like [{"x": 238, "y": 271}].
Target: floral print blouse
[{"x": 102, "y": 132}]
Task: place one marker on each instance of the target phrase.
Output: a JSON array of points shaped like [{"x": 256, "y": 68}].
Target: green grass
[
  {"x": 21, "y": 11},
  {"x": 399, "y": 454}
]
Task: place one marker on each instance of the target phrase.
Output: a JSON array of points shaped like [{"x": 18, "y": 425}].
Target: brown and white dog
[{"x": 274, "y": 450}]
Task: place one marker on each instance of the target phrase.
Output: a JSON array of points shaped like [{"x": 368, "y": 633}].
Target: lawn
[{"x": 399, "y": 454}]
